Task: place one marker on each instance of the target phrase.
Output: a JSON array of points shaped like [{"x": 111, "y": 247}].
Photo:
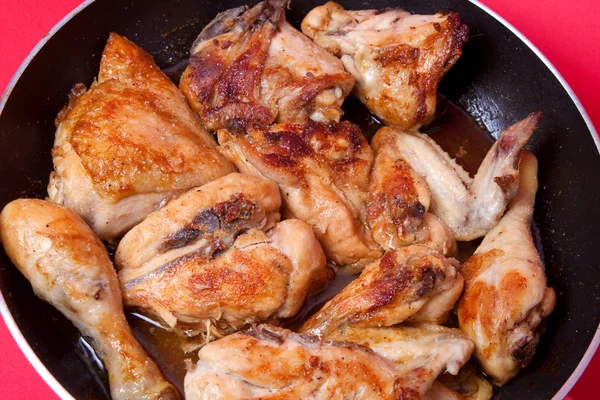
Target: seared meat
[
  {"x": 422, "y": 352},
  {"x": 396, "y": 58},
  {"x": 414, "y": 284},
  {"x": 250, "y": 65},
  {"x": 506, "y": 300},
  {"x": 469, "y": 207},
  {"x": 128, "y": 144},
  {"x": 267, "y": 362},
  {"x": 323, "y": 174},
  {"x": 399, "y": 201},
  {"x": 205, "y": 260},
  {"x": 68, "y": 266}
]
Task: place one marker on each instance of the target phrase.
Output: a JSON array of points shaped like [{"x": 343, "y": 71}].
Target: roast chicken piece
[
  {"x": 268, "y": 362},
  {"x": 396, "y": 58},
  {"x": 69, "y": 267},
  {"x": 426, "y": 348},
  {"x": 506, "y": 300},
  {"x": 250, "y": 65},
  {"x": 397, "y": 212},
  {"x": 323, "y": 174},
  {"x": 470, "y": 207},
  {"x": 128, "y": 144},
  {"x": 215, "y": 258},
  {"x": 414, "y": 284}
]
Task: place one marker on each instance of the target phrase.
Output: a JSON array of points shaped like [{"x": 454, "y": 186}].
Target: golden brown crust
[
  {"x": 340, "y": 146},
  {"x": 323, "y": 171},
  {"x": 388, "y": 291},
  {"x": 397, "y": 59},
  {"x": 394, "y": 200},
  {"x": 477, "y": 263},
  {"x": 252, "y": 67},
  {"x": 133, "y": 131},
  {"x": 274, "y": 363}
]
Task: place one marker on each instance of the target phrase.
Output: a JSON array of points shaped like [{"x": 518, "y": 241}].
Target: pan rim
[
  {"x": 591, "y": 350},
  {"x": 60, "y": 390}
]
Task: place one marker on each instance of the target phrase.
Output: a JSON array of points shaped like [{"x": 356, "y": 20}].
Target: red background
[{"x": 566, "y": 31}]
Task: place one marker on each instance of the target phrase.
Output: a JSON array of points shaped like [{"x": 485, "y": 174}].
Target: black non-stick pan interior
[{"x": 499, "y": 80}]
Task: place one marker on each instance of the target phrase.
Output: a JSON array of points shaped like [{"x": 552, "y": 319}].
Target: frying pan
[{"x": 499, "y": 80}]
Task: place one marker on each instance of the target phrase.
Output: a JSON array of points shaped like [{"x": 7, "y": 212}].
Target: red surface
[{"x": 566, "y": 31}]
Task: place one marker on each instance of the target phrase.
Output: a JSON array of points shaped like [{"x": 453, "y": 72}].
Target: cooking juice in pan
[{"x": 452, "y": 129}]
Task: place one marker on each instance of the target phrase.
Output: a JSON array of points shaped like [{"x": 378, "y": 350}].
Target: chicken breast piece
[
  {"x": 414, "y": 284},
  {"x": 68, "y": 266},
  {"x": 506, "y": 300},
  {"x": 205, "y": 261},
  {"x": 396, "y": 58},
  {"x": 268, "y": 362},
  {"x": 323, "y": 174},
  {"x": 470, "y": 207},
  {"x": 422, "y": 352},
  {"x": 250, "y": 65},
  {"x": 128, "y": 144},
  {"x": 399, "y": 200}
]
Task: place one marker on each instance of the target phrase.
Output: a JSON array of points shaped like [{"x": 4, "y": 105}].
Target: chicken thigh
[
  {"x": 128, "y": 144},
  {"x": 396, "y": 58},
  {"x": 470, "y": 207},
  {"x": 506, "y": 300},
  {"x": 215, "y": 258},
  {"x": 323, "y": 174},
  {"x": 68, "y": 267},
  {"x": 250, "y": 65},
  {"x": 414, "y": 284},
  {"x": 267, "y": 362}
]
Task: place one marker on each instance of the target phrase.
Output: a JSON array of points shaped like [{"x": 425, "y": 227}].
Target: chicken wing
[
  {"x": 396, "y": 58},
  {"x": 129, "y": 144},
  {"x": 250, "y": 65},
  {"x": 506, "y": 300},
  {"x": 267, "y": 362},
  {"x": 215, "y": 258},
  {"x": 69, "y": 267},
  {"x": 422, "y": 352},
  {"x": 323, "y": 174},
  {"x": 414, "y": 284},
  {"x": 399, "y": 200},
  {"x": 470, "y": 207}
]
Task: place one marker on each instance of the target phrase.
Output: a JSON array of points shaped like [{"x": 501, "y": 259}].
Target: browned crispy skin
[
  {"x": 128, "y": 143},
  {"x": 422, "y": 352},
  {"x": 506, "y": 299},
  {"x": 215, "y": 256},
  {"x": 267, "y": 362},
  {"x": 250, "y": 65},
  {"x": 323, "y": 173},
  {"x": 397, "y": 212},
  {"x": 68, "y": 266},
  {"x": 396, "y": 58},
  {"x": 415, "y": 283}
]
